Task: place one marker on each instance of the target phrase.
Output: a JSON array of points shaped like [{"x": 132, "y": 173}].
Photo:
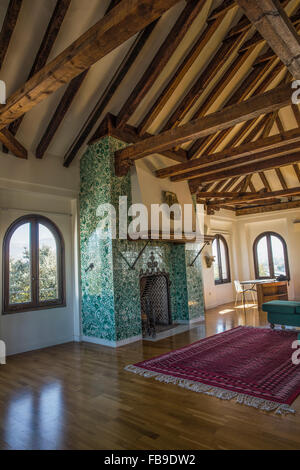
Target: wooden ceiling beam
[
  {"x": 255, "y": 167},
  {"x": 247, "y": 87},
  {"x": 124, "y": 21},
  {"x": 108, "y": 93},
  {"x": 236, "y": 162},
  {"x": 218, "y": 61},
  {"x": 43, "y": 53},
  {"x": 297, "y": 171},
  {"x": 281, "y": 179},
  {"x": 192, "y": 9},
  {"x": 276, "y": 28},
  {"x": 228, "y": 117},
  {"x": 8, "y": 27},
  {"x": 257, "y": 38},
  {"x": 241, "y": 198},
  {"x": 181, "y": 71},
  {"x": 280, "y": 143},
  {"x": 225, "y": 7},
  {"x": 269, "y": 208},
  {"x": 12, "y": 144},
  {"x": 265, "y": 181},
  {"x": 130, "y": 135},
  {"x": 64, "y": 104}
]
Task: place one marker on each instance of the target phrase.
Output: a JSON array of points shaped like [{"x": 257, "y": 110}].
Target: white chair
[{"x": 240, "y": 291}]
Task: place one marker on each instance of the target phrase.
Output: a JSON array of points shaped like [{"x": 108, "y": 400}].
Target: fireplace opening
[{"x": 155, "y": 303}]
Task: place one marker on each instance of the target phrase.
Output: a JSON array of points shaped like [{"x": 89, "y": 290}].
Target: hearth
[{"x": 155, "y": 299}]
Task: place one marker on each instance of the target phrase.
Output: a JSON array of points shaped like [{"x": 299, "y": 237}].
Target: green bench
[{"x": 283, "y": 312}]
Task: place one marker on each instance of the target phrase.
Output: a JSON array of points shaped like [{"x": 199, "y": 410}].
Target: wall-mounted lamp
[{"x": 209, "y": 260}]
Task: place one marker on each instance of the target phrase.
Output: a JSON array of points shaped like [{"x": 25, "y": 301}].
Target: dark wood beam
[
  {"x": 297, "y": 171},
  {"x": 225, "y": 6},
  {"x": 236, "y": 162},
  {"x": 281, "y": 179},
  {"x": 108, "y": 93},
  {"x": 228, "y": 117},
  {"x": 43, "y": 53},
  {"x": 64, "y": 104},
  {"x": 279, "y": 143},
  {"x": 255, "y": 167},
  {"x": 12, "y": 144},
  {"x": 8, "y": 27},
  {"x": 249, "y": 197},
  {"x": 59, "y": 114},
  {"x": 269, "y": 208},
  {"x": 265, "y": 181},
  {"x": 177, "y": 33},
  {"x": 130, "y": 135},
  {"x": 181, "y": 71},
  {"x": 195, "y": 92},
  {"x": 246, "y": 88},
  {"x": 276, "y": 28},
  {"x": 124, "y": 21}
]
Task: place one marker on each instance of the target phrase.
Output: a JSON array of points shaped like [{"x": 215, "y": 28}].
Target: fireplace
[{"x": 155, "y": 299}]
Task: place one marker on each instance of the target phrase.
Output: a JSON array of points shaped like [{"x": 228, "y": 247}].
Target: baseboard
[
  {"x": 111, "y": 344},
  {"x": 37, "y": 346}
]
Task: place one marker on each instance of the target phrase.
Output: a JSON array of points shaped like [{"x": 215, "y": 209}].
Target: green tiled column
[{"x": 110, "y": 291}]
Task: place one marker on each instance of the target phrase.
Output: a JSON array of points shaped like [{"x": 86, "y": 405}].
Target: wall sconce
[{"x": 209, "y": 260}]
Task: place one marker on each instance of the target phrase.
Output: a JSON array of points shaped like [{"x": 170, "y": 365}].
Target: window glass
[
  {"x": 20, "y": 266},
  {"x": 223, "y": 260},
  {"x": 216, "y": 262},
  {"x": 278, "y": 256},
  {"x": 48, "y": 276},
  {"x": 263, "y": 258}
]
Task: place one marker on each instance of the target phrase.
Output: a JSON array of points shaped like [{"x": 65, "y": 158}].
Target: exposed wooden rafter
[
  {"x": 130, "y": 135},
  {"x": 64, "y": 105},
  {"x": 125, "y": 20},
  {"x": 286, "y": 142},
  {"x": 268, "y": 208},
  {"x": 8, "y": 27},
  {"x": 187, "y": 17},
  {"x": 276, "y": 28},
  {"x": 268, "y": 102}
]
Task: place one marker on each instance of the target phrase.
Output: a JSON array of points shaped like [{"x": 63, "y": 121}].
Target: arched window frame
[
  {"x": 221, "y": 280},
  {"x": 270, "y": 255},
  {"x": 35, "y": 304}
]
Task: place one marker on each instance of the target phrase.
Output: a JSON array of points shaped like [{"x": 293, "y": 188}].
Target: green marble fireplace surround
[{"x": 111, "y": 312}]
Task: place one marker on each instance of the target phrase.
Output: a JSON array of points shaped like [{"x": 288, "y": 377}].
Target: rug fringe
[{"x": 222, "y": 394}]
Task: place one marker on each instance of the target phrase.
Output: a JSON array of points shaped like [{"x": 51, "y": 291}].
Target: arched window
[
  {"x": 221, "y": 264},
  {"x": 33, "y": 258},
  {"x": 270, "y": 256}
]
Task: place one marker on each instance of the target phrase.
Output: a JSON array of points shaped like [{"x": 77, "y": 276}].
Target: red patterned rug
[{"x": 252, "y": 365}]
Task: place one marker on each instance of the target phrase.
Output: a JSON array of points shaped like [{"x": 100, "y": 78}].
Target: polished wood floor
[{"x": 78, "y": 396}]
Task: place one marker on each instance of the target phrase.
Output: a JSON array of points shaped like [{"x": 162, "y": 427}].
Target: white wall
[
  {"x": 240, "y": 234},
  {"x": 215, "y": 295},
  {"x": 28, "y": 187},
  {"x": 249, "y": 227}
]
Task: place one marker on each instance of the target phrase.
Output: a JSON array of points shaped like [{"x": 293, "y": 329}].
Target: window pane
[
  {"x": 278, "y": 256},
  {"x": 48, "y": 278},
  {"x": 263, "y": 258},
  {"x": 216, "y": 263},
  {"x": 223, "y": 261},
  {"x": 20, "y": 266}
]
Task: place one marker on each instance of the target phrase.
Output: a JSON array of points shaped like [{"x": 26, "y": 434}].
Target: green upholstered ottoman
[{"x": 282, "y": 312}]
